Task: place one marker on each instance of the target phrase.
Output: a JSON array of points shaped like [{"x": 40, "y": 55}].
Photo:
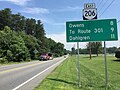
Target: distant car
[{"x": 46, "y": 56}]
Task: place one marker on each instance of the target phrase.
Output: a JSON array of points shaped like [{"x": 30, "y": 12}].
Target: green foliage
[
  {"x": 17, "y": 22},
  {"x": 31, "y": 43},
  {"x": 73, "y": 51},
  {"x": 12, "y": 46},
  {"x": 59, "y": 49},
  {"x": 20, "y": 36},
  {"x": 117, "y": 54},
  {"x": 39, "y": 32},
  {"x": 5, "y": 18},
  {"x": 3, "y": 60},
  {"x": 28, "y": 60},
  {"x": 111, "y": 50},
  {"x": 56, "y": 48},
  {"x": 96, "y": 47}
]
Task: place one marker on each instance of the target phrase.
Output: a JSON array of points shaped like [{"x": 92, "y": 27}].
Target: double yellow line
[{"x": 22, "y": 67}]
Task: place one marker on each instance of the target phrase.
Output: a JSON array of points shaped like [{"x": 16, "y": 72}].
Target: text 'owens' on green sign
[{"x": 91, "y": 30}]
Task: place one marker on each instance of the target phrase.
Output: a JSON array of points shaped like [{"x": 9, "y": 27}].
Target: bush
[
  {"x": 28, "y": 60},
  {"x": 3, "y": 60},
  {"x": 56, "y": 55},
  {"x": 12, "y": 46},
  {"x": 117, "y": 54}
]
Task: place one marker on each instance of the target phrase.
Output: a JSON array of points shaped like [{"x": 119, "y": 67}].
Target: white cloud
[
  {"x": 62, "y": 38},
  {"x": 73, "y": 8},
  {"x": 18, "y": 2},
  {"x": 113, "y": 43},
  {"x": 58, "y": 24},
  {"x": 50, "y": 21},
  {"x": 68, "y": 8},
  {"x": 36, "y": 10},
  {"x": 58, "y": 37},
  {"x": 47, "y": 20}
]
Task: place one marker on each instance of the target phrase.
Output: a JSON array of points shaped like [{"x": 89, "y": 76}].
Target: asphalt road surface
[{"x": 26, "y": 76}]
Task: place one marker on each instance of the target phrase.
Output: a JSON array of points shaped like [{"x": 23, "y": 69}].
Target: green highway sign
[{"x": 91, "y": 30}]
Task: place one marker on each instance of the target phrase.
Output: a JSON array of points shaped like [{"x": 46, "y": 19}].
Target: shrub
[
  {"x": 56, "y": 55},
  {"x": 117, "y": 54},
  {"x": 28, "y": 60},
  {"x": 12, "y": 46},
  {"x": 3, "y": 60}
]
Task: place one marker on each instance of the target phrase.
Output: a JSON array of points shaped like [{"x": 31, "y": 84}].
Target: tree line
[
  {"x": 96, "y": 48},
  {"x": 23, "y": 39}
]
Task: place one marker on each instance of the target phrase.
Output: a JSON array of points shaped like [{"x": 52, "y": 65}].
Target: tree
[
  {"x": 39, "y": 32},
  {"x": 18, "y": 22},
  {"x": 30, "y": 26},
  {"x": 30, "y": 42},
  {"x": 111, "y": 50},
  {"x": 95, "y": 47},
  {"x": 117, "y": 54},
  {"x": 22, "y": 36},
  {"x": 59, "y": 49},
  {"x": 83, "y": 51},
  {"x": 73, "y": 51},
  {"x": 12, "y": 46},
  {"x": 5, "y": 18}
]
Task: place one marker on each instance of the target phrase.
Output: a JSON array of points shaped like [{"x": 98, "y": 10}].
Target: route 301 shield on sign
[{"x": 89, "y": 14}]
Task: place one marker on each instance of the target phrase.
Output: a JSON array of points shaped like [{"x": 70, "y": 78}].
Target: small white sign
[
  {"x": 89, "y": 14},
  {"x": 89, "y": 5}
]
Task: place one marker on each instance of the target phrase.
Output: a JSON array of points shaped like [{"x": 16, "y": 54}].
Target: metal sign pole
[
  {"x": 106, "y": 67},
  {"x": 79, "y": 84}
]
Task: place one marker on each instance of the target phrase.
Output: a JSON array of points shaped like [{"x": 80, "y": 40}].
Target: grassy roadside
[{"x": 65, "y": 77}]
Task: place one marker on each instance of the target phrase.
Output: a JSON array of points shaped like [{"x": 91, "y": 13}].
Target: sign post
[
  {"x": 106, "y": 67},
  {"x": 79, "y": 84}
]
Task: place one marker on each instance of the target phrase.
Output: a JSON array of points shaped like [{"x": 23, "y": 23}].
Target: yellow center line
[{"x": 15, "y": 69}]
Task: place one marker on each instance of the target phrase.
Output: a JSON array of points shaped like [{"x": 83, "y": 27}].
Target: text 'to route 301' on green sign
[{"x": 91, "y": 30}]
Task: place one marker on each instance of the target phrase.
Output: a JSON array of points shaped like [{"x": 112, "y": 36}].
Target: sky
[{"x": 55, "y": 13}]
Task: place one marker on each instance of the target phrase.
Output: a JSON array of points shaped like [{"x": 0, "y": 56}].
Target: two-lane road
[{"x": 26, "y": 76}]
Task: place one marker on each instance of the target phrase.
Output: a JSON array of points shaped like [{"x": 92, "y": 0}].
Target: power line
[
  {"x": 90, "y": 1},
  {"x": 103, "y": 5},
  {"x": 118, "y": 21},
  {"x": 107, "y": 7},
  {"x": 100, "y": 3}
]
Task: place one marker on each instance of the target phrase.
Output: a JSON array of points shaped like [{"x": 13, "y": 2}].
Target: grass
[{"x": 92, "y": 74}]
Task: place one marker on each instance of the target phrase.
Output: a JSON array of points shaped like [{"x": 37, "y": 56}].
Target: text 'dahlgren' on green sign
[{"x": 91, "y": 30}]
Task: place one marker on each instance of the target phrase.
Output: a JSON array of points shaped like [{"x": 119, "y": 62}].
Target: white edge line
[{"x": 36, "y": 75}]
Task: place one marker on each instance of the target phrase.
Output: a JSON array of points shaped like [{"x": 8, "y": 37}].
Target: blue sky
[{"x": 55, "y": 13}]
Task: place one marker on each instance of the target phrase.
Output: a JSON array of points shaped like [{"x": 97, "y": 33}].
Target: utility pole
[{"x": 90, "y": 50}]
